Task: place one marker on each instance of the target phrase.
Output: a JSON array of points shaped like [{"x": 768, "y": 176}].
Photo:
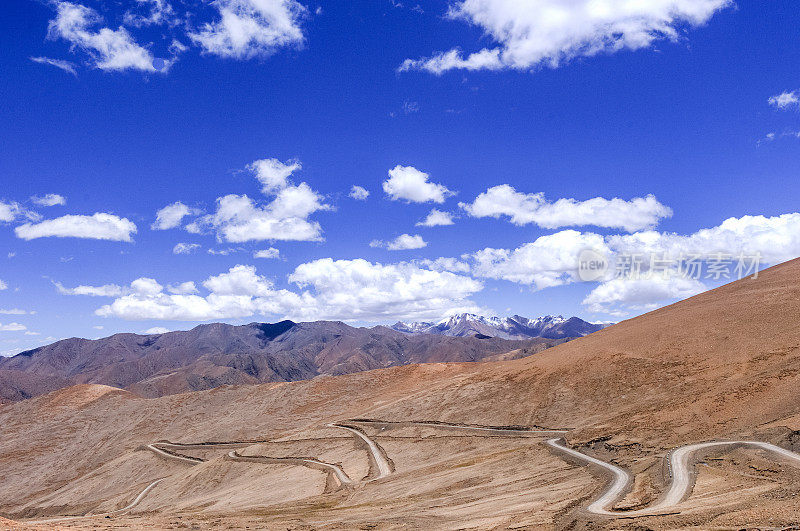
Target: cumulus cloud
[
  {"x": 271, "y": 253},
  {"x": 410, "y": 184},
  {"x": 361, "y": 290},
  {"x": 401, "y": 243},
  {"x": 330, "y": 289},
  {"x": 619, "y": 296},
  {"x": 777, "y": 239},
  {"x": 61, "y": 64},
  {"x": 239, "y": 218},
  {"x": 12, "y": 327},
  {"x": 552, "y": 260},
  {"x": 185, "y": 248},
  {"x": 251, "y": 28},
  {"x": 155, "y": 330},
  {"x": 436, "y": 218},
  {"x": 454, "y": 265},
  {"x": 184, "y": 288},
  {"x": 49, "y": 200},
  {"x": 240, "y": 292},
  {"x": 522, "y": 209},
  {"x": 550, "y": 32},
  {"x": 171, "y": 216},
  {"x": 785, "y": 100},
  {"x": 358, "y": 193},
  {"x": 548, "y": 261},
  {"x": 273, "y": 174},
  {"x": 3, "y": 285},
  {"x": 100, "y": 226},
  {"x": 109, "y": 49},
  {"x": 107, "y": 290}
]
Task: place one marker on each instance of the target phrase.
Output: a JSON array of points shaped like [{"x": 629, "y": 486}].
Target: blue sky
[{"x": 123, "y": 108}]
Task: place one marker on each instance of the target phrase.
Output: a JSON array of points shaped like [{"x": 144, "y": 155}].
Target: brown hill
[
  {"x": 724, "y": 364},
  {"x": 219, "y": 354}
]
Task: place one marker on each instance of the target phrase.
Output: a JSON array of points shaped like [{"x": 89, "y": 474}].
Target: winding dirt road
[
  {"x": 378, "y": 455},
  {"x": 117, "y": 512},
  {"x": 680, "y": 463},
  {"x": 338, "y": 472},
  {"x": 497, "y": 430},
  {"x": 682, "y": 470}
]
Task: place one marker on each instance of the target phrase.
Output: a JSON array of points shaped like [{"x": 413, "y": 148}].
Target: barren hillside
[{"x": 722, "y": 365}]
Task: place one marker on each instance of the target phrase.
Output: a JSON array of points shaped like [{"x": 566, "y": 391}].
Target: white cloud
[
  {"x": 251, "y": 28},
  {"x": 109, "y": 49},
  {"x": 334, "y": 289},
  {"x": 548, "y": 261},
  {"x": 776, "y": 238},
  {"x": 785, "y": 100},
  {"x": 12, "y": 327},
  {"x": 436, "y": 218},
  {"x": 15, "y": 311},
  {"x": 3, "y": 285},
  {"x": 273, "y": 174},
  {"x": 454, "y": 265},
  {"x": 155, "y": 330},
  {"x": 171, "y": 216},
  {"x": 49, "y": 200},
  {"x": 271, "y": 253},
  {"x": 637, "y": 214},
  {"x": 238, "y": 293},
  {"x": 66, "y": 66},
  {"x": 100, "y": 226},
  {"x": 530, "y": 33},
  {"x": 149, "y": 13},
  {"x": 107, "y": 290},
  {"x": 239, "y": 219},
  {"x": 359, "y": 193},
  {"x": 185, "y": 248},
  {"x": 454, "y": 59},
  {"x": 184, "y": 288},
  {"x": 12, "y": 211},
  {"x": 225, "y": 252},
  {"x": 401, "y": 243},
  {"x": 620, "y": 295},
  {"x": 361, "y": 290},
  {"x": 8, "y": 211},
  {"x": 412, "y": 185},
  {"x": 552, "y": 260}
]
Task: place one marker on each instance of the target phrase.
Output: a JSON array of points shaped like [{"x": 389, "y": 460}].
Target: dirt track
[{"x": 680, "y": 464}]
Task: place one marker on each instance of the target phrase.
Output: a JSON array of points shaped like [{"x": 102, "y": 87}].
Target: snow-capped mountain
[{"x": 514, "y": 327}]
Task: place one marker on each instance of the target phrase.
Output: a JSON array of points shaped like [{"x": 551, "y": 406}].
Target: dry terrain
[{"x": 724, "y": 365}]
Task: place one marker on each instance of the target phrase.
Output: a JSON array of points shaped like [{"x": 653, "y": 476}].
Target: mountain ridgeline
[
  {"x": 219, "y": 354},
  {"x": 514, "y": 327}
]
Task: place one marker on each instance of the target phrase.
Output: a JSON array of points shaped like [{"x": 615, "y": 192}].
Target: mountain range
[
  {"x": 211, "y": 355},
  {"x": 514, "y": 327}
]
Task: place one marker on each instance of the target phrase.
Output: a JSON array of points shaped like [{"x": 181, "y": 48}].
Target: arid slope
[{"x": 724, "y": 364}]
